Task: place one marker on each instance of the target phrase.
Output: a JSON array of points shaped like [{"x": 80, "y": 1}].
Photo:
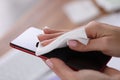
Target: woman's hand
[
  {"x": 103, "y": 38},
  {"x": 66, "y": 73}
]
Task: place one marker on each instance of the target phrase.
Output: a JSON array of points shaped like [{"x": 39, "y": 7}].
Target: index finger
[{"x": 51, "y": 31}]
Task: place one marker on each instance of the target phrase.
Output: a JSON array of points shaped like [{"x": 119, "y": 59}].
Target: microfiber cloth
[{"x": 76, "y": 34}]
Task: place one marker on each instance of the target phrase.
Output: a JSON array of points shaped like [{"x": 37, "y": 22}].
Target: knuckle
[
  {"x": 105, "y": 46},
  {"x": 95, "y": 25},
  {"x": 79, "y": 47}
]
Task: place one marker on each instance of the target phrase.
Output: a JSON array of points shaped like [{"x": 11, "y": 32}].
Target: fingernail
[
  {"x": 72, "y": 43},
  {"x": 46, "y": 27},
  {"x": 39, "y": 35},
  {"x": 49, "y": 63}
]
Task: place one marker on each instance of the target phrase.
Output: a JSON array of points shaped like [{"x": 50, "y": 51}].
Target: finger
[
  {"x": 46, "y": 42},
  {"x": 43, "y": 37},
  {"x": 50, "y": 31},
  {"x": 94, "y": 29},
  {"x": 92, "y": 75},
  {"x": 60, "y": 68},
  {"x": 93, "y": 45},
  {"x": 111, "y": 71}
]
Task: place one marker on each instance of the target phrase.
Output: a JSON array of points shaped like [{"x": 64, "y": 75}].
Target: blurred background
[
  {"x": 12, "y": 10},
  {"x": 18, "y": 15}
]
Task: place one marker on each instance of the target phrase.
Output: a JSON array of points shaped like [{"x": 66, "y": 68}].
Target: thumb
[
  {"x": 93, "y": 45},
  {"x": 60, "y": 68}
]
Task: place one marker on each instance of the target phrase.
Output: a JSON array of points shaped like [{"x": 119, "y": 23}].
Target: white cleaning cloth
[{"x": 61, "y": 41}]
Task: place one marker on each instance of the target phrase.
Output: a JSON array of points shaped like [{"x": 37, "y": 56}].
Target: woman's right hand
[{"x": 103, "y": 37}]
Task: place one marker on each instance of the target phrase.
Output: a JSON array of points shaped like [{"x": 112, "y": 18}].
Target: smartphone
[{"x": 28, "y": 42}]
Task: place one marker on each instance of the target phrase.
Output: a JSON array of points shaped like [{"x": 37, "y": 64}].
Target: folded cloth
[{"x": 77, "y": 34}]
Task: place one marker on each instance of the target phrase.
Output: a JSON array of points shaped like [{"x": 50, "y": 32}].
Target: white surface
[
  {"x": 11, "y": 11},
  {"x": 109, "y": 5},
  {"x": 81, "y": 11},
  {"x": 61, "y": 41},
  {"x": 113, "y": 19},
  {"x": 28, "y": 39},
  {"x": 6, "y": 17},
  {"x": 17, "y": 65},
  {"x": 114, "y": 63}
]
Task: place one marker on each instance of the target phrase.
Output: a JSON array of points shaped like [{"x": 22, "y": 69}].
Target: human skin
[{"x": 103, "y": 37}]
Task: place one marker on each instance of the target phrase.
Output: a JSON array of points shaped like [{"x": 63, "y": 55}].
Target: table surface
[{"x": 45, "y": 13}]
